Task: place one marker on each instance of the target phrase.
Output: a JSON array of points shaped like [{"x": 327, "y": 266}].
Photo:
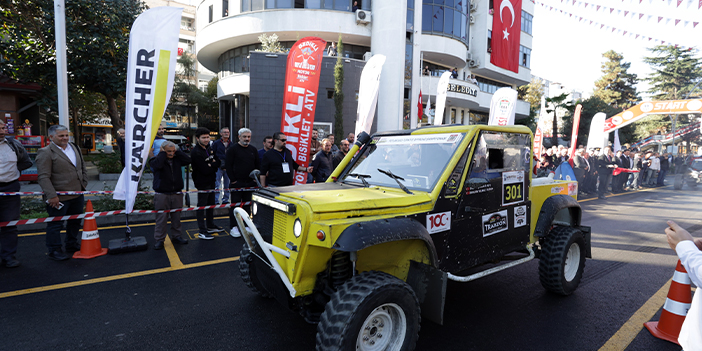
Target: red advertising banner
[
  {"x": 300, "y": 99},
  {"x": 506, "y": 27},
  {"x": 538, "y": 142}
]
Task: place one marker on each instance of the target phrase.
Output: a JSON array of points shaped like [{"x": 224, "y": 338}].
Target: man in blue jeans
[
  {"x": 60, "y": 167},
  {"x": 220, "y": 147}
]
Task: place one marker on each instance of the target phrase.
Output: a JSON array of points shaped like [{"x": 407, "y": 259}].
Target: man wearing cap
[{"x": 13, "y": 160}]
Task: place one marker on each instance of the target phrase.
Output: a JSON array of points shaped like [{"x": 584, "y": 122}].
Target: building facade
[{"x": 415, "y": 36}]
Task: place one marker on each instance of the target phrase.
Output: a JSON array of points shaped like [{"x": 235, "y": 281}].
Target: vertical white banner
[
  {"x": 617, "y": 146},
  {"x": 596, "y": 137},
  {"x": 503, "y": 106},
  {"x": 368, "y": 93},
  {"x": 441, "y": 92},
  {"x": 153, "y": 49}
]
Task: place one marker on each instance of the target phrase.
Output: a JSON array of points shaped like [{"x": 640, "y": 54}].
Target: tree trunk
[{"x": 113, "y": 112}]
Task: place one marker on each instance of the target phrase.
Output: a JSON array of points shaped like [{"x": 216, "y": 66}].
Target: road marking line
[
  {"x": 113, "y": 278},
  {"x": 626, "y": 334},
  {"x": 120, "y": 226},
  {"x": 173, "y": 257}
]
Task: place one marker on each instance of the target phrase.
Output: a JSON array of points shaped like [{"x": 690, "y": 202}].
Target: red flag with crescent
[{"x": 506, "y": 28}]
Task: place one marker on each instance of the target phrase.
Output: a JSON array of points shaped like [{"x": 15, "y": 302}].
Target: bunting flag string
[
  {"x": 627, "y": 32},
  {"x": 632, "y": 14}
]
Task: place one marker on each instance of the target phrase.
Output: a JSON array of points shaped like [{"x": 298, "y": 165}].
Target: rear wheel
[
  {"x": 371, "y": 311},
  {"x": 562, "y": 260},
  {"x": 248, "y": 272}
]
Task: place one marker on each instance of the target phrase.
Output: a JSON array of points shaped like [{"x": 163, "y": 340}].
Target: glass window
[
  {"x": 245, "y": 5},
  {"x": 438, "y": 2},
  {"x": 225, "y": 8},
  {"x": 489, "y": 43},
  {"x": 438, "y": 22},
  {"x": 344, "y": 5},
  {"x": 448, "y": 21},
  {"x": 284, "y": 4},
  {"x": 314, "y": 4},
  {"x": 328, "y": 4},
  {"x": 526, "y": 22},
  {"x": 464, "y": 25},
  {"x": 270, "y": 4},
  {"x": 524, "y": 56},
  {"x": 426, "y": 18},
  {"x": 457, "y": 16},
  {"x": 410, "y": 19},
  {"x": 210, "y": 13},
  {"x": 256, "y": 5}
]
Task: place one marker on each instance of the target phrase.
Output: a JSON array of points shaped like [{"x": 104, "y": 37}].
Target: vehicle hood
[{"x": 336, "y": 197}]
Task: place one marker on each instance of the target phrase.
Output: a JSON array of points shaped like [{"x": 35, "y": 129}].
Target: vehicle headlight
[
  {"x": 297, "y": 228},
  {"x": 255, "y": 208}
]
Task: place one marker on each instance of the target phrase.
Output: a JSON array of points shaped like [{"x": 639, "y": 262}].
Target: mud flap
[
  {"x": 429, "y": 284},
  {"x": 587, "y": 234}
]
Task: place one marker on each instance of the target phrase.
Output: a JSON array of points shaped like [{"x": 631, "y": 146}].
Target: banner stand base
[{"x": 137, "y": 243}]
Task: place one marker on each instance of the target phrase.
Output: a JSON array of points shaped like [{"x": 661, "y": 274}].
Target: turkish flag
[
  {"x": 420, "y": 108},
  {"x": 506, "y": 27}
]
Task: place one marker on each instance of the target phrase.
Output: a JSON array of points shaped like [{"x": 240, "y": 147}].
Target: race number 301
[{"x": 512, "y": 187}]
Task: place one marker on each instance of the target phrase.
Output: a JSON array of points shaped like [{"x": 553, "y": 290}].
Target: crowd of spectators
[{"x": 602, "y": 171}]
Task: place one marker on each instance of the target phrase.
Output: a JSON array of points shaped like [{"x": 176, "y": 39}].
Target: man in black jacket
[
  {"x": 605, "y": 165},
  {"x": 278, "y": 166},
  {"x": 343, "y": 150},
  {"x": 322, "y": 163},
  {"x": 13, "y": 160},
  {"x": 205, "y": 165},
  {"x": 241, "y": 159},
  {"x": 168, "y": 183}
]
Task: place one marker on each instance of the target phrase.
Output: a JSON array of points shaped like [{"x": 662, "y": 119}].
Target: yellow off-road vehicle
[{"x": 368, "y": 252}]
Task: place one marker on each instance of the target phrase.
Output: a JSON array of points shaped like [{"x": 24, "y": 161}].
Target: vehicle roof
[{"x": 456, "y": 128}]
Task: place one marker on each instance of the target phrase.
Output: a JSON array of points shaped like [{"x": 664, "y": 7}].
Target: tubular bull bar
[{"x": 251, "y": 233}]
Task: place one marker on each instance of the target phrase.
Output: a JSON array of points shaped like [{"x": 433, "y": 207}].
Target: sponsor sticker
[
  {"x": 520, "y": 216},
  {"x": 483, "y": 188},
  {"x": 495, "y": 223},
  {"x": 557, "y": 189},
  {"x": 438, "y": 222},
  {"x": 446, "y": 138}
]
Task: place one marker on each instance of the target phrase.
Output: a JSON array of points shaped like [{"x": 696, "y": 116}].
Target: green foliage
[
  {"x": 531, "y": 93},
  {"x": 591, "y": 106},
  {"x": 270, "y": 43},
  {"x": 616, "y": 86},
  {"x": 33, "y": 207},
  {"x": 555, "y": 105},
  {"x": 676, "y": 70},
  {"x": 108, "y": 163},
  {"x": 107, "y": 203},
  {"x": 186, "y": 95},
  {"x": 339, "y": 93},
  {"x": 97, "y": 39}
]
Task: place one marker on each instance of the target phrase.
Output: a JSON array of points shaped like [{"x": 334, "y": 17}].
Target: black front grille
[{"x": 263, "y": 220}]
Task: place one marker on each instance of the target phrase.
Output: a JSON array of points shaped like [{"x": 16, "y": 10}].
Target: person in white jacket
[{"x": 689, "y": 251}]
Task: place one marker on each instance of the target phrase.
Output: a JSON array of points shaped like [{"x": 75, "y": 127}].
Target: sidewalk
[{"x": 94, "y": 184}]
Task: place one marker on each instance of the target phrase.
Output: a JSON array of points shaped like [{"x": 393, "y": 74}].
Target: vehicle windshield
[
  {"x": 697, "y": 165},
  {"x": 418, "y": 159}
]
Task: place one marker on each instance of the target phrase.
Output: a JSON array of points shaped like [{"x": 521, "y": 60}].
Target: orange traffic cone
[
  {"x": 90, "y": 246},
  {"x": 675, "y": 308}
]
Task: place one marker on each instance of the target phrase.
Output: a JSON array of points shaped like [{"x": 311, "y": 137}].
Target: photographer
[{"x": 205, "y": 165}]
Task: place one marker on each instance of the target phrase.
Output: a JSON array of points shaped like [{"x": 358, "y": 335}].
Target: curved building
[{"x": 414, "y": 35}]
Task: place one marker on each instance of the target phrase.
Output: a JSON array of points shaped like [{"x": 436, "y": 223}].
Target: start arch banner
[{"x": 652, "y": 108}]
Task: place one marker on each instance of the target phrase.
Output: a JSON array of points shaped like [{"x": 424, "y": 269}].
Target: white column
[
  {"x": 416, "y": 63},
  {"x": 388, "y": 38}
]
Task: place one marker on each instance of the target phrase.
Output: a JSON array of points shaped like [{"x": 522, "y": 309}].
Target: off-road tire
[
  {"x": 341, "y": 326},
  {"x": 555, "y": 270},
  {"x": 248, "y": 272}
]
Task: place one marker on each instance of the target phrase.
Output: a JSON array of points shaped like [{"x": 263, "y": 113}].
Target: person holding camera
[
  {"x": 205, "y": 165},
  {"x": 689, "y": 251}
]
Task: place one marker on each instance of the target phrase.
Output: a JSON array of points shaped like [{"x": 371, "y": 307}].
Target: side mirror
[{"x": 255, "y": 174}]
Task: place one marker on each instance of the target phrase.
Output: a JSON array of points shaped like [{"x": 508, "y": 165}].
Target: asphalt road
[{"x": 144, "y": 300}]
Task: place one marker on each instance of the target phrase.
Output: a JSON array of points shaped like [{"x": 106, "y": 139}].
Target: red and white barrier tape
[
  {"x": 110, "y": 213},
  {"x": 108, "y": 192}
]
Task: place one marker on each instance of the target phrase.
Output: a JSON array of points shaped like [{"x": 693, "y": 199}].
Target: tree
[
  {"x": 591, "y": 106},
  {"x": 97, "y": 40},
  {"x": 531, "y": 93},
  {"x": 676, "y": 70},
  {"x": 186, "y": 95},
  {"x": 270, "y": 43},
  {"x": 339, "y": 93},
  {"x": 556, "y": 105},
  {"x": 616, "y": 87}
]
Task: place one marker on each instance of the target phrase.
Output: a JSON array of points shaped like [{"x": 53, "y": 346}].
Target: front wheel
[
  {"x": 562, "y": 260},
  {"x": 371, "y": 311}
]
